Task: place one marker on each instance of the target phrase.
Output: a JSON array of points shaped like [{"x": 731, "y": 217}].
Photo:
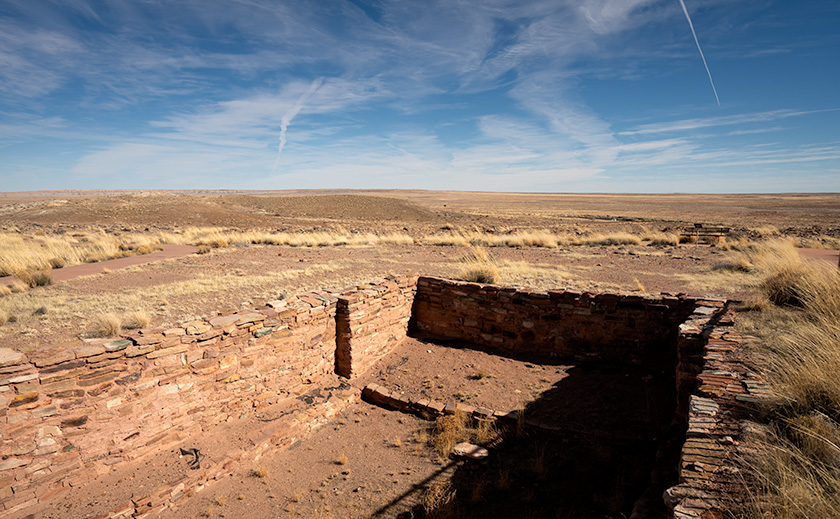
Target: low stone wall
[
  {"x": 370, "y": 320},
  {"x": 604, "y": 327},
  {"x": 724, "y": 394},
  {"x": 84, "y": 407}
]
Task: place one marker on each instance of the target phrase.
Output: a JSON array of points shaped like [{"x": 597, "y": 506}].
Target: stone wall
[
  {"x": 604, "y": 327},
  {"x": 86, "y": 406},
  {"x": 371, "y": 320},
  {"x": 79, "y": 409},
  {"x": 720, "y": 401}
]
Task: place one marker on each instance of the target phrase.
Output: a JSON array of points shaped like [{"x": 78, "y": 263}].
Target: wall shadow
[{"x": 590, "y": 446}]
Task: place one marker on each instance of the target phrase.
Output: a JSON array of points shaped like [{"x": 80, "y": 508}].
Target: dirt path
[
  {"x": 831, "y": 256},
  {"x": 88, "y": 269}
]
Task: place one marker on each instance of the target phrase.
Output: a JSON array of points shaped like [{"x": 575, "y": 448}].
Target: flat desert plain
[{"x": 241, "y": 249}]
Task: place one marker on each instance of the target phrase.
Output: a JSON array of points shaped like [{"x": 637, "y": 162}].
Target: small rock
[{"x": 468, "y": 450}]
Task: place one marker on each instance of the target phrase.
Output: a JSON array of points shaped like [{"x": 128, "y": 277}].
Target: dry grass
[
  {"x": 261, "y": 471},
  {"x": 38, "y": 278},
  {"x": 439, "y": 501},
  {"x": 67, "y": 305},
  {"x": 20, "y": 254},
  {"x": 479, "y": 267},
  {"x": 136, "y": 320},
  {"x": 538, "y": 238},
  {"x": 107, "y": 325},
  {"x": 797, "y": 467},
  {"x": 342, "y": 459},
  {"x": 452, "y": 429},
  {"x": 449, "y": 430},
  {"x": 662, "y": 239},
  {"x": 820, "y": 242}
]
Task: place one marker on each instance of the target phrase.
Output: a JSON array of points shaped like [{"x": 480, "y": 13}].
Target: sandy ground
[{"x": 178, "y": 289}]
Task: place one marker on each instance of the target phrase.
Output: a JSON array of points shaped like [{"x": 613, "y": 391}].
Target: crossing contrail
[
  {"x": 701, "y": 51},
  {"x": 288, "y": 116}
]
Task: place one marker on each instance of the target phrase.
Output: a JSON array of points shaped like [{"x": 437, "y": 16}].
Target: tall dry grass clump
[
  {"x": 797, "y": 467},
  {"x": 107, "y": 325},
  {"x": 479, "y": 267},
  {"x": 660, "y": 239},
  {"x": 136, "y": 320}
]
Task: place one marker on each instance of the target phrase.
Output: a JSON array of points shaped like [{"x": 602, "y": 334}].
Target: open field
[{"x": 257, "y": 247}]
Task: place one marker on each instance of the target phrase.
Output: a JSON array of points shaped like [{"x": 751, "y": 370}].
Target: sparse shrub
[
  {"x": 449, "y": 430},
  {"x": 342, "y": 459},
  {"x": 662, "y": 240},
  {"x": 787, "y": 286},
  {"x": 617, "y": 238},
  {"x": 738, "y": 263},
  {"x": 57, "y": 263},
  {"x": 439, "y": 501},
  {"x": 479, "y": 266},
  {"x": 135, "y": 320},
  {"x": 107, "y": 325},
  {"x": 41, "y": 310},
  {"x": 146, "y": 249},
  {"x": 203, "y": 249},
  {"x": 38, "y": 278},
  {"x": 486, "y": 273},
  {"x": 261, "y": 471}
]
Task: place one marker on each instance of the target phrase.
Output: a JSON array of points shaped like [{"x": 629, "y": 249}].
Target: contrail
[
  {"x": 701, "y": 51},
  {"x": 288, "y": 116}
]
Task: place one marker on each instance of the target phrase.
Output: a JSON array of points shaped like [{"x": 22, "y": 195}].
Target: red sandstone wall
[
  {"x": 370, "y": 321},
  {"x": 609, "y": 327},
  {"x": 80, "y": 408}
]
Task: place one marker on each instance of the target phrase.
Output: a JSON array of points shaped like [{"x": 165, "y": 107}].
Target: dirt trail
[
  {"x": 831, "y": 256},
  {"x": 88, "y": 269}
]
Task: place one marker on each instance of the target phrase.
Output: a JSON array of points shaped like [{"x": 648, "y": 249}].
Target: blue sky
[{"x": 558, "y": 96}]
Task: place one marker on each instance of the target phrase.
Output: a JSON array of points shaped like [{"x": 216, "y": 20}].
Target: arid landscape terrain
[{"x": 159, "y": 260}]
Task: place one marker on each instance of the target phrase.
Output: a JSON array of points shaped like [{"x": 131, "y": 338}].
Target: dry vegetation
[{"x": 795, "y": 472}]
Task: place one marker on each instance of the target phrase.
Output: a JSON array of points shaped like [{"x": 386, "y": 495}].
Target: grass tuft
[
  {"x": 136, "y": 320},
  {"x": 479, "y": 267},
  {"x": 38, "y": 278},
  {"x": 107, "y": 325},
  {"x": 439, "y": 501}
]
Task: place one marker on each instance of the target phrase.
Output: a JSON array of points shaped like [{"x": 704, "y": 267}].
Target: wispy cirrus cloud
[{"x": 728, "y": 120}]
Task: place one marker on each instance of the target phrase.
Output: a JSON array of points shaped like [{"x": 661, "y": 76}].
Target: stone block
[{"x": 10, "y": 357}]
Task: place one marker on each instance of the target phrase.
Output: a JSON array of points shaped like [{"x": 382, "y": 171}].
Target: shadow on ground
[{"x": 594, "y": 445}]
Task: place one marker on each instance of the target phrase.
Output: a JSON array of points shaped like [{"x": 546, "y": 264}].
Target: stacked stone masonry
[
  {"x": 371, "y": 320},
  {"x": 79, "y": 409},
  {"x": 581, "y": 325}
]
